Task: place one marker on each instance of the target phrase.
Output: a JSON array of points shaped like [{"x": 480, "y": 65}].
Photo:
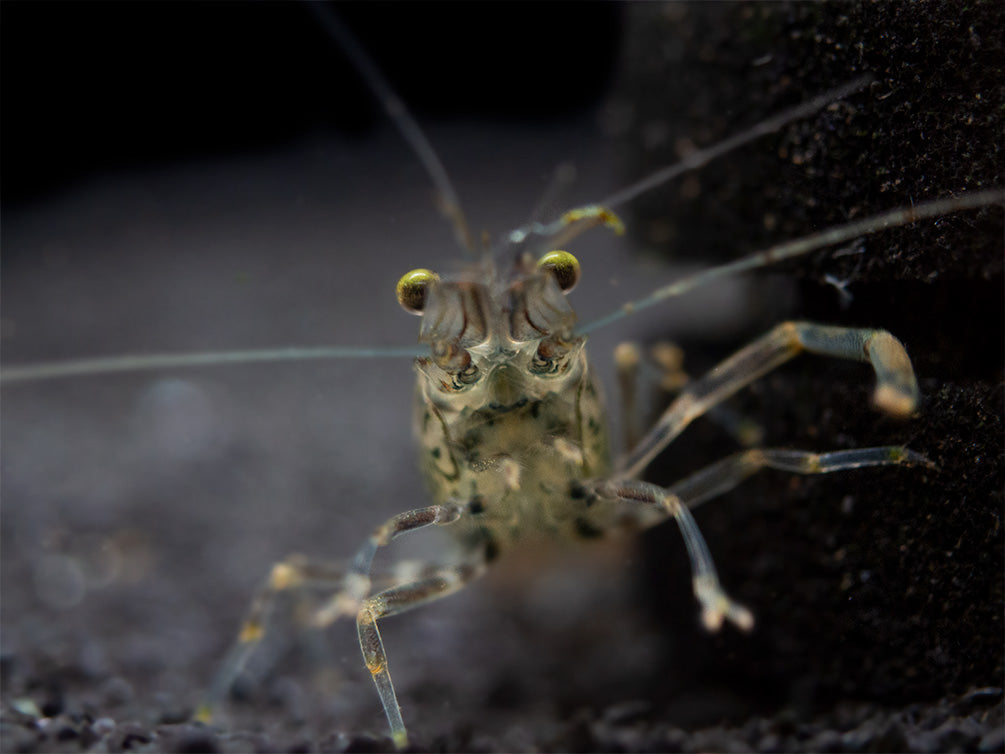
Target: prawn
[{"x": 568, "y": 454}]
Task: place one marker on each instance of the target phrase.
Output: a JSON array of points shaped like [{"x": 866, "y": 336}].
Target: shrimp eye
[
  {"x": 412, "y": 287},
  {"x": 563, "y": 266}
]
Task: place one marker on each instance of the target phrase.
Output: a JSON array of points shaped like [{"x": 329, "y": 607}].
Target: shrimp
[{"x": 195, "y": 423}]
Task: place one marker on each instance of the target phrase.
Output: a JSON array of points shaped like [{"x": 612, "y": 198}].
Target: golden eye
[
  {"x": 412, "y": 287},
  {"x": 563, "y": 266}
]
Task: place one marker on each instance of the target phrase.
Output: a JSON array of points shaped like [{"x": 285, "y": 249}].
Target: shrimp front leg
[
  {"x": 896, "y": 387},
  {"x": 716, "y": 604},
  {"x": 677, "y": 500},
  {"x": 358, "y": 582},
  {"x": 405, "y": 586},
  {"x": 398, "y": 599},
  {"x": 297, "y": 576}
]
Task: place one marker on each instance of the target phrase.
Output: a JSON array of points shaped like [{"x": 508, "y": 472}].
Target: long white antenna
[
  {"x": 703, "y": 156},
  {"x": 48, "y": 370},
  {"x": 401, "y": 117},
  {"x": 839, "y": 234},
  {"x": 561, "y": 229}
]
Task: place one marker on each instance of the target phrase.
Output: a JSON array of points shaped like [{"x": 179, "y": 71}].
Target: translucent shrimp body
[{"x": 507, "y": 410}]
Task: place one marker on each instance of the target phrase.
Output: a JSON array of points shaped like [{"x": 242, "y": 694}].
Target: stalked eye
[
  {"x": 563, "y": 266},
  {"x": 412, "y": 289}
]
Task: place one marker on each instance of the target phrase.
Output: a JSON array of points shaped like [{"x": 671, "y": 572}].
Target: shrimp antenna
[
  {"x": 838, "y": 234},
  {"x": 702, "y": 157},
  {"x": 450, "y": 203},
  {"x": 48, "y": 370},
  {"x": 562, "y": 230}
]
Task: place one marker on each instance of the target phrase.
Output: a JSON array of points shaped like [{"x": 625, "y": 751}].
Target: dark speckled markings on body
[{"x": 515, "y": 463}]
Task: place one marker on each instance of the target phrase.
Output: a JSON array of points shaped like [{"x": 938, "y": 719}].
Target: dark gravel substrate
[{"x": 972, "y": 722}]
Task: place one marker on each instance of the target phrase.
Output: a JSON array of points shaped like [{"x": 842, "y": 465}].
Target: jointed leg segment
[
  {"x": 716, "y": 604},
  {"x": 396, "y": 600},
  {"x": 718, "y": 478},
  {"x": 348, "y": 601},
  {"x": 668, "y": 360},
  {"x": 627, "y": 357},
  {"x": 401, "y": 589},
  {"x": 896, "y": 388},
  {"x": 724, "y": 475}
]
